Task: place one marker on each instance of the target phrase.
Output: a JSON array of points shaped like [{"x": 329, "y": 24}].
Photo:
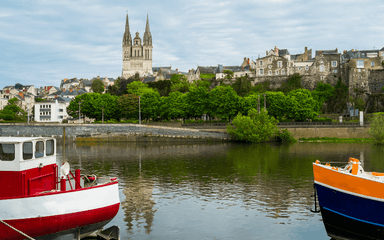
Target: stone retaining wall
[{"x": 121, "y": 132}]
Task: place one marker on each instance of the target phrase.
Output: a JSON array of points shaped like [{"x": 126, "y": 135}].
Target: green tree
[
  {"x": 250, "y": 101},
  {"x": 97, "y": 86},
  {"x": 138, "y": 88},
  {"x": 179, "y": 83},
  {"x": 254, "y": 128},
  {"x": 91, "y": 106},
  {"x": 12, "y": 111},
  {"x": 338, "y": 101},
  {"x": 173, "y": 106},
  {"x": 162, "y": 86},
  {"x": 128, "y": 106},
  {"x": 376, "y": 129},
  {"x": 223, "y": 102},
  {"x": 321, "y": 95},
  {"x": 300, "y": 105},
  {"x": 150, "y": 105},
  {"x": 276, "y": 105},
  {"x": 197, "y": 102}
]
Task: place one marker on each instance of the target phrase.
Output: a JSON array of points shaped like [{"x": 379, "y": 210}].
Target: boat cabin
[{"x": 27, "y": 166}]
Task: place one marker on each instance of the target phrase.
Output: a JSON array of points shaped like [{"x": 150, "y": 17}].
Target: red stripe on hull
[{"x": 35, "y": 227}]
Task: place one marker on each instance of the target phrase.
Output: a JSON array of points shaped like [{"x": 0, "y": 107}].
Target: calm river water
[{"x": 218, "y": 190}]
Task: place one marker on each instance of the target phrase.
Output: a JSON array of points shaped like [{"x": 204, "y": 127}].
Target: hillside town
[{"x": 358, "y": 69}]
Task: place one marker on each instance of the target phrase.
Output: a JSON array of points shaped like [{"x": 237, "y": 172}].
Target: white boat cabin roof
[{"x": 24, "y": 153}]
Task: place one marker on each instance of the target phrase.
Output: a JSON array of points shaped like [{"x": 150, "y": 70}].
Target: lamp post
[
  {"x": 139, "y": 112},
  {"x": 79, "y": 113},
  {"x": 102, "y": 114}
]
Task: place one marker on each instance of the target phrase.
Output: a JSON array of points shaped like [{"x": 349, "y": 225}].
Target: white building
[{"x": 51, "y": 111}]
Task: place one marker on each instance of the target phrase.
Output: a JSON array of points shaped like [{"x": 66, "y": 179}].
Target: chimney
[
  {"x": 71, "y": 90},
  {"x": 266, "y": 53},
  {"x": 63, "y": 89}
]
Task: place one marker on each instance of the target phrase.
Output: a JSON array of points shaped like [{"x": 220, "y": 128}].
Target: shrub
[
  {"x": 284, "y": 135},
  {"x": 254, "y": 128},
  {"x": 376, "y": 129},
  {"x": 324, "y": 119}
]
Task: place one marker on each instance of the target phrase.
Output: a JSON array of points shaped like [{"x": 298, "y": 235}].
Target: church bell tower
[{"x": 137, "y": 54}]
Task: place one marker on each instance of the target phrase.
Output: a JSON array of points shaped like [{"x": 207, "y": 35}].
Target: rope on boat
[{"x": 25, "y": 235}]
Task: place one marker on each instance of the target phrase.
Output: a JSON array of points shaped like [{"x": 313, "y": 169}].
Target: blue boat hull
[{"x": 347, "y": 216}]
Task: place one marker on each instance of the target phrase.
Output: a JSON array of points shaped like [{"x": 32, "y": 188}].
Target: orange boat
[{"x": 351, "y": 200}]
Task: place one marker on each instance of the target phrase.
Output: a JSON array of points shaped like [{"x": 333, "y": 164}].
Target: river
[{"x": 218, "y": 190}]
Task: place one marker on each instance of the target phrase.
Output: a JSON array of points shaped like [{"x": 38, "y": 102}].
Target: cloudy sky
[{"x": 44, "y": 41}]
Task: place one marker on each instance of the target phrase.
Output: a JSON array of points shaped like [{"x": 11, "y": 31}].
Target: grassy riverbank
[{"x": 336, "y": 140}]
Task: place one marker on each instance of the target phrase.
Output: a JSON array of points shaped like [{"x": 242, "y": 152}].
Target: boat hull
[
  {"x": 52, "y": 216},
  {"x": 343, "y": 227}
]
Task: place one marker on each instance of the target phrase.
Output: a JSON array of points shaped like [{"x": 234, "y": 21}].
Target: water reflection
[{"x": 169, "y": 191}]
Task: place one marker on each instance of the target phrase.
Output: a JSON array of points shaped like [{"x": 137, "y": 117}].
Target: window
[
  {"x": 279, "y": 64},
  {"x": 269, "y": 72},
  {"x": 261, "y": 71},
  {"x": 7, "y": 152},
  {"x": 61, "y": 110},
  {"x": 382, "y": 54},
  {"x": 270, "y": 59},
  {"x": 334, "y": 63},
  {"x": 360, "y": 63},
  {"x": 39, "y": 150},
  {"x": 372, "y": 64},
  {"x": 359, "y": 77},
  {"x": 359, "y": 70},
  {"x": 277, "y": 72},
  {"x": 335, "y": 71},
  {"x": 261, "y": 63},
  {"x": 299, "y": 68},
  {"x": 27, "y": 150},
  {"x": 282, "y": 72},
  {"x": 321, "y": 61},
  {"x": 50, "y": 147},
  {"x": 270, "y": 66},
  {"x": 306, "y": 68},
  {"x": 321, "y": 68}
]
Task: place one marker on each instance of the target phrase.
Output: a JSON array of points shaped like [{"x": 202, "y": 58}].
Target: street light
[
  {"x": 102, "y": 114},
  {"x": 79, "y": 113},
  {"x": 139, "y": 112}
]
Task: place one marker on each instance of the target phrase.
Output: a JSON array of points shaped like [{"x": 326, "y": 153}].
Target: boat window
[
  {"x": 39, "y": 151},
  {"x": 27, "y": 150},
  {"x": 50, "y": 147},
  {"x": 7, "y": 152}
]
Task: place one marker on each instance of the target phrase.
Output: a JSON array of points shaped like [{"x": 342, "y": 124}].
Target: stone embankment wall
[
  {"x": 112, "y": 132},
  {"x": 328, "y": 131}
]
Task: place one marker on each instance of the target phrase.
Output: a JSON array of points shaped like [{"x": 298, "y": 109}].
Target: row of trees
[{"x": 221, "y": 102}]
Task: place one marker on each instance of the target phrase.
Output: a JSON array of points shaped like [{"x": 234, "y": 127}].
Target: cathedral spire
[
  {"x": 127, "y": 39},
  {"x": 147, "y": 25},
  {"x": 147, "y": 38}
]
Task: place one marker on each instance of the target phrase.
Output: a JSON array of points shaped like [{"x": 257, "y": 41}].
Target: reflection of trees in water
[
  {"x": 273, "y": 179},
  {"x": 139, "y": 203}
]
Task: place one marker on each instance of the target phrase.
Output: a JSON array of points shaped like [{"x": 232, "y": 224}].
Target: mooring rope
[{"x": 25, "y": 235}]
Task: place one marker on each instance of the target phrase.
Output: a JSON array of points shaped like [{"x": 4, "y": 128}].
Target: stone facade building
[{"x": 137, "y": 54}]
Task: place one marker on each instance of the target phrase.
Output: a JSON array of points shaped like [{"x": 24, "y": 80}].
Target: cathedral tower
[{"x": 137, "y": 55}]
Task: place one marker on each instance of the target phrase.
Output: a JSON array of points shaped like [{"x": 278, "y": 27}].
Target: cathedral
[{"x": 137, "y": 54}]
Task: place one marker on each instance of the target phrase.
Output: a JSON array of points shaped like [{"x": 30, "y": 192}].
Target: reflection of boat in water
[
  {"x": 351, "y": 200},
  {"x": 36, "y": 203}
]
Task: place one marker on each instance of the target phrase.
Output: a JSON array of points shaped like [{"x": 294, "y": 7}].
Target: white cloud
[{"x": 49, "y": 40}]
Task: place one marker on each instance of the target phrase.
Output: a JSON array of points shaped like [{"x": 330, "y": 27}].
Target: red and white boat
[{"x": 38, "y": 203}]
